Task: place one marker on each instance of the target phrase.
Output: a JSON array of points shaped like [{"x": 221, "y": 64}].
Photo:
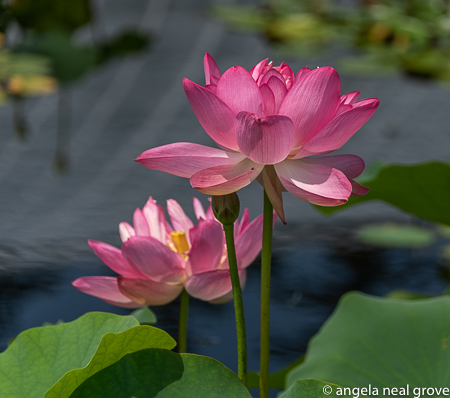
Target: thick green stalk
[
  {"x": 183, "y": 320},
  {"x": 238, "y": 303},
  {"x": 266, "y": 259}
]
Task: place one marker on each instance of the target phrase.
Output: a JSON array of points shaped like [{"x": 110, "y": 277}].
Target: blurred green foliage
[{"x": 412, "y": 36}]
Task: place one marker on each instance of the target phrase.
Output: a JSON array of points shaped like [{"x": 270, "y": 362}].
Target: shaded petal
[
  {"x": 154, "y": 259},
  {"x": 126, "y": 231},
  {"x": 211, "y": 68},
  {"x": 140, "y": 223},
  {"x": 272, "y": 73},
  {"x": 113, "y": 258},
  {"x": 267, "y": 140},
  {"x": 249, "y": 243},
  {"x": 105, "y": 288},
  {"x": 147, "y": 292},
  {"x": 179, "y": 219},
  {"x": 340, "y": 129},
  {"x": 358, "y": 189},
  {"x": 311, "y": 103},
  {"x": 184, "y": 159},
  {"x": 209, "y": 285},
  {"x": 207, "y": 247},
  {"x": 198, "y": 209},
  {"x": 274, "y": 189},
  {"x": 213, "y": 114},
  {"x": 269, "y": 100},
  {"x": 315, "y": 183},
  {"x": 245, "y": 220},
  {"x": 222, "y": 180},
  {"x": 302, "y": 72},
  {"x": 240, "y": 92}
]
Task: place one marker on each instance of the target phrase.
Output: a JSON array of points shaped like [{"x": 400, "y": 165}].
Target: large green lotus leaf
[
  {"x": 38, "y": 357},
  {"x": 381, "y": 342},
  {"x": 311, "y": 388},
  {"x": 111, "y": 349},
  {"x": 163, "y": 374},
  {"x": 422, "y": 190}
]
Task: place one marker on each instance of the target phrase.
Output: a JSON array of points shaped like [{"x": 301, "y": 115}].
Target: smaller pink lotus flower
[
  {"x": 270, "y": 124},
  {"x": 158, "y": 259}
]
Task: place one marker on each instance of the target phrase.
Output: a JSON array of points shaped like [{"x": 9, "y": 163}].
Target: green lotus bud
[{"x": 226, "y": 208}]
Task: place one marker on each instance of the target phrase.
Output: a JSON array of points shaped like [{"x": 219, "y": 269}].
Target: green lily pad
[
  {"x": 383, "y": 343},
  {"x": 311, "y": 388},
  {"x": 422, "y": 190},
  {"x": 391, "y": 235},
  {"x": 39, "y": 357},
  {"x": 163, "y": 374},
  {"x": 111, "y": 349}
]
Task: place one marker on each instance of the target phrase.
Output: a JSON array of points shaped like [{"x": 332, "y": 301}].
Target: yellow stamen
[{"x": 180, "y": 242}]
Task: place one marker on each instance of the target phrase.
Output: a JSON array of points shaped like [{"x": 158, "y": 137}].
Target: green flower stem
[
  {"x": 266, "y": 257},
  {"x": 238, "y": 303},
  {"x": 183, "y": 320}
]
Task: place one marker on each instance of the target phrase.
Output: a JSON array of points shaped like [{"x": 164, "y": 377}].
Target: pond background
[{"x": 137, "y": 103}]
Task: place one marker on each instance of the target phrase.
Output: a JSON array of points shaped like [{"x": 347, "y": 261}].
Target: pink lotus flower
[
  {"x": 268, "y": 123},
  {"x": 158, "y": 259}
]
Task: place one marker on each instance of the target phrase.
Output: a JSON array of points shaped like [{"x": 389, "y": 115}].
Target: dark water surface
[{"x": 308, "y": 278}]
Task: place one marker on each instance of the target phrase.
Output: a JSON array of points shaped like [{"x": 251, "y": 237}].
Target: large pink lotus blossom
[
  {"x": 269, "y": 123},
  {"x": 158, "y": 259}
]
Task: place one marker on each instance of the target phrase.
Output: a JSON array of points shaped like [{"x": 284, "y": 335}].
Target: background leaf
[
  {"x": 310, "y": 388},
  {"x": 38, "y": 357},
  {"x": 422, "y": 190},
  {"x": 163, "y": 374},
  {"x": 381, "y": 342}
]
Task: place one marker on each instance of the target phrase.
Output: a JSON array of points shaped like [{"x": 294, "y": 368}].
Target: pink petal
[
  {"x": 184, "y": 159},
  {"x": 269, "y": 99},
  {"x": 113, "y": 258},
  {"x": 340, "y": 129},
  {"x": 213, "y": 114},
  {"x": 350, "y": 98},
  {"x": 147, "y": 292},
  {"x": 211, "y": 68},
  {"x": 105, "y": 288},
  {"x": 154, "y": 259},
  {"x": 351, "y": 165},
  {"x": 198, "y": 209},
  {"x": 156, "y": 221},
  {"x": 179, "y": 219},
  {"x": 273, "y": 187},
  {"x": 140, "y": 223},
  {"x": 240, "y": 92},
  {"x": 209, "y": 285},
  {"x": 222, "y": 180},
  {"x": 302, "y": 72},
  {"x": 358, "y": 189},
  {"x": 267, "y": 140},
  {"x": 256, "y": 71},
  {"x": 207, "y": 247},
  {"x": 126, "y": 231},
  {"x": 311, "y": 103},
  {"x": 272, "y": 73},
  {"x": 279, "y": 91},
  {"x": 229, "y": 296},
  {"x": 245, "y": 220},
  {"x": 249, "y": 243},
  {"x": 315, "y": 183}
]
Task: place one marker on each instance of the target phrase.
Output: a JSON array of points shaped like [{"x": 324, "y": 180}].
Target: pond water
[{"x": 308, "y": 278}]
